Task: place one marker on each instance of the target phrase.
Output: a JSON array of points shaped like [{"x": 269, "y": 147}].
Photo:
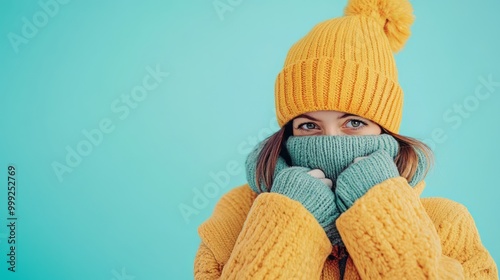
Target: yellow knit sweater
[{"x": 389, "y": 233}]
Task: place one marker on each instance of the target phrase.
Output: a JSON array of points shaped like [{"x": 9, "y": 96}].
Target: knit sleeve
[
  {"x": 460, "y": 238},
  {"x": 279, "y": 239},
  {"x": 389, "y": 235},
  {"x": 206, "y": 266}
]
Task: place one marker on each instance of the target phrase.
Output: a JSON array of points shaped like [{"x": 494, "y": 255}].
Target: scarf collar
[{"x": 330, "y": 153}]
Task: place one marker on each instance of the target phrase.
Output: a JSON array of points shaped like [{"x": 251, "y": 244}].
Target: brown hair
[{"x": 406, "y": 160}]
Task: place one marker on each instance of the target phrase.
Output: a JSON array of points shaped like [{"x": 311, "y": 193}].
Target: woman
[{"x": 334, "y": 194}]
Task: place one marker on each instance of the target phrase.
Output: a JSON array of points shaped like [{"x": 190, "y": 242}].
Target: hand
[
  {"x": 362, "y": 175},
  {"x": 313, "y": 191},
  {"x": 318, "y": 174}
]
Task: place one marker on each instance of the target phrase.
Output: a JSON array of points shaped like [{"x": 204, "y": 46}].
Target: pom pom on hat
[
  {"x": 347, "y": 64},
  {"x": 394, "y": 16}
]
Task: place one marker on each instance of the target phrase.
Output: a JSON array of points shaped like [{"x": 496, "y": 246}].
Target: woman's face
[{"x": 333, "y": 123}]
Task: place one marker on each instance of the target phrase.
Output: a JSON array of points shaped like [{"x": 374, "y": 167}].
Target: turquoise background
[{"x": 117, "y": 214}]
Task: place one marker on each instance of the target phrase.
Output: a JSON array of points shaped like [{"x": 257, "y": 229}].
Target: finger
[
  {"x": 317, "y": 173},
  {"x": 328, "y": 182}
]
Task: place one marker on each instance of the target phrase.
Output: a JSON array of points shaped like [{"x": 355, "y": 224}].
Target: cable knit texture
[
  {"x": 344, "y": 64},
  {"x": 390, "y": 233},
  {"x": 331, "y": 154},
  {"x": 314, "y": 195}
]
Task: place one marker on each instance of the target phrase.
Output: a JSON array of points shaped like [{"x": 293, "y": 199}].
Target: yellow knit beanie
[{"x": 347, "y": 64}]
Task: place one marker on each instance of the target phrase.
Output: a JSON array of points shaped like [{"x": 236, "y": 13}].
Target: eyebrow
[{"x": 345, "y": 115}]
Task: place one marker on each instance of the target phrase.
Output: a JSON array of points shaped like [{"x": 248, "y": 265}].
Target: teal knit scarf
[{"x": 331, "y": 154}]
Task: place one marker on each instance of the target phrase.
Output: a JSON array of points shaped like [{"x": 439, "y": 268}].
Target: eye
[
  {"x": 355, "y": 124},
  {"x": 307, "y": 126}
]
